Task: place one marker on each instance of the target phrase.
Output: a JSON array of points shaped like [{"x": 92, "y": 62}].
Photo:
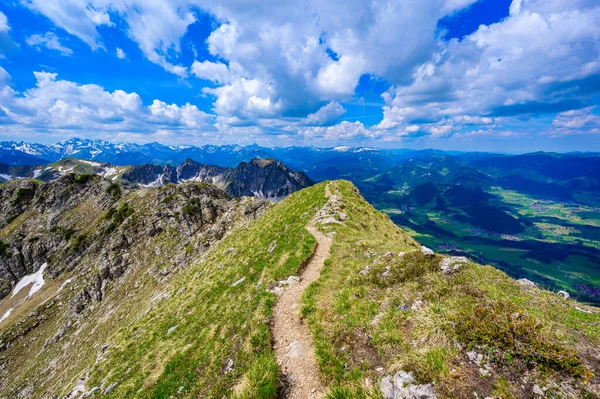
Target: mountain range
[{"x": 263, "y": 178}]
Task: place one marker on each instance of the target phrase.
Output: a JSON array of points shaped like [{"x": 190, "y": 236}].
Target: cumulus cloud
[
  {"x": 64, "y": 105},
  {"x": 342, "y": 132},
  {"x": 121, "y": 54},
  {"x": 543, "y": 58},
  {"x": 155, "y": 25},
  {"x": 327, "y": 114},
  {"x": 186, "y": 115},
  {"x": 275, "y": 64},
  {"x": 581, "y": 121},
  {"x": 216, "y": 72},
  {"x": 49, "y": 41}
]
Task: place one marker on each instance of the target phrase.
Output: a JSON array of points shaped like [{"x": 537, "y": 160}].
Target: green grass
[
  {"x": 217, "y": 325},
  {"x": 406, "y": 314}
]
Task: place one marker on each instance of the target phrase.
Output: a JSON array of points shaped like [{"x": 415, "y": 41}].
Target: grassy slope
[
  {"x": 530, "y": 332},
  {"x": 221, "y": 337}
]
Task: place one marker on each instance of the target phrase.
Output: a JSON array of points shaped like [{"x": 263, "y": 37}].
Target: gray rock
[
  {"x": 524, "y": 283},
  {"x": 538, "y": 391},
  {"x": 417, "y": 305},
  {"x": 294, "y": 350},
  {"x": 564, "y": 294},
  {"x": 452, "y": 263},
  {"x": 365, "y": 271},
  {"x": 240, "y": 281},
  {"x": 387, "y": 387},
  {"x": 475, "y": 357},
  {"x": 403, "y": 386},
  {"x": 427, "y": 251},
  {"x": 110, "y": 388},
  {"x": 377, "y": 319}
]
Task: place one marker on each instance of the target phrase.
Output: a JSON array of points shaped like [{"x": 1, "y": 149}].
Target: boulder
[
  {"x": 403, "y": 386},
  {"x": 564, "y": 294},
  {"x": 524, "y": 283},
  {"x": 427, "y": 251},
  {"x": 452, "y": 263}
]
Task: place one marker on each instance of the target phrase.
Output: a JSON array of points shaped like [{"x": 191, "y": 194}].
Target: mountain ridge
[{"x": 265, "y": 178}]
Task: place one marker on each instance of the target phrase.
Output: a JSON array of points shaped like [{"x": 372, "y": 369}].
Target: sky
[{"x": 473, "y": 75}]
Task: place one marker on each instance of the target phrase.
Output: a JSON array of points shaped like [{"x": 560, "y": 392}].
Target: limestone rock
[
  {"x": 452, "y": 263},
  {"x": 427, "y": 251},
  {"x": 524, "y": 283},
  {"x": 403, "y": 386}
]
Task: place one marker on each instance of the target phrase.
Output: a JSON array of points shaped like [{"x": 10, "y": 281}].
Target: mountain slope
[
  {"x": 181, "y": 282},
  {"x": 263, "y": 178}
]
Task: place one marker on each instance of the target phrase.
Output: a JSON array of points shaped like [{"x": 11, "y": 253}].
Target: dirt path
[{"x": 293, "y": 341}]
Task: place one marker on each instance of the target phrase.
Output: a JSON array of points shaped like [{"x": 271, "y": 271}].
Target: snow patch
[
  {"x": 107, "y": 172},
  {"x": 64, "y": 284},
  {"x": 64, "y": 171},
  {"x": 155, "y": 183},
  {"x": 37, "y": 279},
  {"x": 8, "y": 312},
  {"x": 6, "y": 177},
  {"x": 341, "y": 148},
  {"x": 36, "y": 173},
  {"x": 91, "y": 163}
]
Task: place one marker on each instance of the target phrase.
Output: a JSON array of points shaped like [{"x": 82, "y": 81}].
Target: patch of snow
[
  {"x": 8, "y": 312},
  {"x": 341, "y": 148},
  {"x": 6, "y": 177},
  {"x": 36, "y": 173},
  {"x": 91, "y": 162},
  {"x": 64, "y": 285},
  {"x": 155, "y": 183},
  {"x": 64, "y": 171},
  {"x": 37, "y": 279},
  {"x": 26, "y": 148},
  {"x": 107, "y": 172}
]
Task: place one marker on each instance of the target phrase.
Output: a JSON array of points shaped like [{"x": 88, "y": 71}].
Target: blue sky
[{"x": 489, "y": 75}]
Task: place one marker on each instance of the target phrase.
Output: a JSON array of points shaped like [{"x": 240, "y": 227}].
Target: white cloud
[
  {"x": 216, "y": 72},
  {"x": 273, "y": 70},
  {"x": 59, "y": 105},
  {"x": 327, "y": 114},
  {"x": 121, "y": 54},
  {"x": 4, "y": 76},
  {"x": 187, "y": 115},
  {"x": 49, "y": 41},
  {"x": 343, "y": 131},
  {"x": 4, "y": 27},
  {"x": 155, "y": 25},
  {"x": 577, "y": 120},
  {"x": 535, "y": 61}
]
